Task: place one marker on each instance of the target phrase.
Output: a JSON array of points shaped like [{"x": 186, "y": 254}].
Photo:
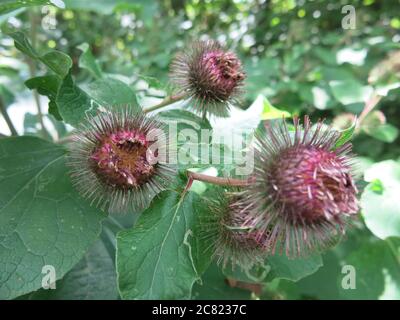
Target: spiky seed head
[
  {"x": 118, "y": 159},
  {"x": 232, "y": 232},
  {"x": 304, "y": 189},
  {"x": 209, "y": 76}
]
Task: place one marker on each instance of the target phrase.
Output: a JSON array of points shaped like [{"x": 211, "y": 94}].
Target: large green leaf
[
  {"x": 43, "y": 221},
  {"x": 377, "y": 271},
  {"x": 75, "y": 103},
  {"x": 156, "y": 259},
  {"x": 278, "y": 267},
  {"x": 292, "y": 269},
  {"x": 380, "y": 199},
  {"x": 110, "y": 92},
  {"x": 93, "y": 278},
  {"x": 58, "y": 62},
  {"x": 213, "y": 286},
  {"x": 323, "y": 283}
]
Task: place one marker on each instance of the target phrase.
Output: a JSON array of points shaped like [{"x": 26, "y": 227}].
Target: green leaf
[
  {"x": 155, "y": 258},
  {"x": 282, "y": 267},
  {"x": 385, "y": 132},
  {"x": 4, "y": 17},
  {"x": 278, "y": 267},
  {"x": 213, "y": 286},
  {"x": 111, "y": 92},
  {"x": 323, "y": 283},
  {"x": 88, "y": 62},
  {"x": 93, "y": 278},
  {"x": 11, "y": 5},
  {"x": 58, "y": 62},
  {"x": 380, "y": 206},
  {"x": 6, "y": 95},
  {"x": 346, "y": 135},
  {"x": 327, "y": 56},
  {"x": 47, "y": 86},
  {"x": 350, "y": 91},
  {"x": 184, "y": 119},
  {"x": 183, "y": 127},
  {"x": 377, "y": 271},
  {"x": 269, "y": 111},
  {"x": 43, "y": 221},
  {"x": 75, "y": 103}
]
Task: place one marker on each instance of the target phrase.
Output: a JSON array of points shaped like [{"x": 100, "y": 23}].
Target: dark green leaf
[
  {"x": 93, "y": 278},
  {"x": 213, "y": 286},
  {"x": 377, "y": 271},
  {"x": 47, "y": 86},
  {"x": 111, "y": 92},
  {"x": 88, "y": 62},
  {"x": 58, "y": 62},
  {"x": 43, "y": 221},
  {"x": 385, "y": 132},
  {"x": 278, "y": 267},
  {"x": 155, "y": 258},
  {"x": 74, "y": 103}
]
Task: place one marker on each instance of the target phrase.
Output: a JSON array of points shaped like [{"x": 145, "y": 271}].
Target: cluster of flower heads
[
  {"x": 302, "y": 191},
  {"x": 115, "y": 164},
  {"x": 209, "y": 76},
  {"x": 300, "y": 199}
]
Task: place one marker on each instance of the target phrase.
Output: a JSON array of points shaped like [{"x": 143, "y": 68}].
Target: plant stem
[
  {"x": 368, "y": 107},
  {"x": 167, "y": 101},
  {"x": 7, "y": 118},
  {"x": 217, "y": 180}
]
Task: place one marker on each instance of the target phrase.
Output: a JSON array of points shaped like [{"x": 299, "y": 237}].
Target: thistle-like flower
[
  {"x": 117, "y": 160},
  {"x": 209, "y": 76},
  {"x": 303, "y": 190},
  {"x": 232, "y": 232}
]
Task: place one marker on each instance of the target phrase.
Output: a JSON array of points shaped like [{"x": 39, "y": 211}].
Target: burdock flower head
[
  {"x": 209, "y": 75},
  {"x": 118, "y": 158},
  {"x": 303, "y": 190},
  {"x": 231, "y": 230}
]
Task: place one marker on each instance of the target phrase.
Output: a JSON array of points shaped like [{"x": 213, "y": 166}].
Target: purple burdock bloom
[
  {"x": 116, "y": 160},
  {"x": 209, "y": 76},
  {"x": 303, "y": 190},
  {"x": 234, "y": 237}
]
